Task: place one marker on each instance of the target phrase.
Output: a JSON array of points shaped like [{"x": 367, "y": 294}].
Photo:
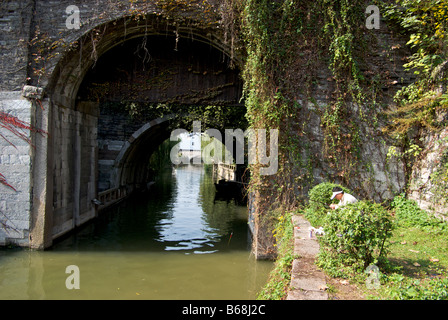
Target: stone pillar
[
  {"x": 262, "y": 238},
  {"x": 77, "y": 171},
  {"x": 42, "y": 196}
]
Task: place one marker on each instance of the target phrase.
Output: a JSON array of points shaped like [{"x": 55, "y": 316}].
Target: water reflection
[
  {"x": 178, "y": 214},
  {"x": 186, "y": 226}
]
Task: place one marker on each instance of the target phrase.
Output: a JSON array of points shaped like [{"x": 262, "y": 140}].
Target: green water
[{"x": 175, "y": 242}]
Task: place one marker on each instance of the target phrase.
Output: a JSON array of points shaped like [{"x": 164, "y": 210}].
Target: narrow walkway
[{"x": 307, "y": 281}]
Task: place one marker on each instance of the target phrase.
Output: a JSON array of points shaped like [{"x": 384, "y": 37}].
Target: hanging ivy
[{"x": 284, "y": 39}]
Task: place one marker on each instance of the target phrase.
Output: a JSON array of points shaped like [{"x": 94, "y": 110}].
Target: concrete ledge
[
  {"x": 307, "y": 295},
  {"x": 11, "y": 95},
  {"x": 305, "y": 275},
  {"x": 307, "y": 281},
  {"x": 306, "y": 248}
]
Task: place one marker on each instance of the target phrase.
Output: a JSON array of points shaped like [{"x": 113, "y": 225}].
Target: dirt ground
[{"x": 341, "y": 289}]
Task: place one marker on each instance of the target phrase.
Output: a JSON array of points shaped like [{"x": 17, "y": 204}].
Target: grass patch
[
  {"x": 280, "y": 277},
  {"x": 417, "y": 265}
]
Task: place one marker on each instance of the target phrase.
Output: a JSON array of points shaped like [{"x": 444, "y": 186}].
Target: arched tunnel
[{"x": 107, "y": 126}]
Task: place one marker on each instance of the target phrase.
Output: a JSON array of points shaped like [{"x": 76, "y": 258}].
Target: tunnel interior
[
  {"x": 136, "y": 84},
  {"x": 163, "y": 70}
]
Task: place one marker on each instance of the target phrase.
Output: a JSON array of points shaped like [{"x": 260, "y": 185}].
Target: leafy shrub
[
  {"x": 409, "y": 214},
  {"x": 355, "y": 236},
  {"x": 319, "y": 202}
]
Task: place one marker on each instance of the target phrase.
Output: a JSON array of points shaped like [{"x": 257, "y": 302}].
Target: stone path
[{"x": 307, "y": 281}]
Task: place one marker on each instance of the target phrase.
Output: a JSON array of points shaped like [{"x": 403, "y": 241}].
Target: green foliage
[
  {"x": 342, "y": 20},
  {"x": 287, "y": 43},
  {"x": 426, "y": 23},
  {"x": 161, "y": 157},
  {"x": 422, "y": 106},
  {"x": 405, "y": 289},
  {"x": 355, "y": 236},
  {"x": 280, "y": 277},
  {"x": 319, "y": 202},
  {"x": 271, "y": 38},
  {"x": 408, "y": 213}
]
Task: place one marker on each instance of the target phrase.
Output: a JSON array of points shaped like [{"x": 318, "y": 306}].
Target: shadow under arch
[
  {"x": 69, "y": 72},
  {"x": 130, "y": 166}
]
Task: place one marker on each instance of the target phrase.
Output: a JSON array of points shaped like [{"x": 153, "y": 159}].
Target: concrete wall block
[
  {"x": 17, "y": 208},
  {"x": 10, "y": 233},
  {"x": 15, "y": 165},
  {"x": 19, "y": 224},
  {"x": 115, "y": 145}
]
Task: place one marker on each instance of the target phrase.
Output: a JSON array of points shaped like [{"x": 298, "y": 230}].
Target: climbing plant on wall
[
  {"x": 286, "y": 40},
  {"x": 426, "y": 22},
  {"x": 422, "y": 106}
]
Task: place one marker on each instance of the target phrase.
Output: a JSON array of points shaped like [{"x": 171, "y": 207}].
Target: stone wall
[
  {"x": 424, "y": 188},
  {"x": 15, "y": 33},
  {"x": 57, "y": 181},
  {"x": 74, "y": 166},
  {"x": 15, "y": 165}
]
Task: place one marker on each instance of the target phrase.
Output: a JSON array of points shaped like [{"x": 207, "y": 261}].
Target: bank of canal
[{"x": 175, "y": 242}]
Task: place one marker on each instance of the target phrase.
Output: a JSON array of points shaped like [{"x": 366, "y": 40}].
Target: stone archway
[{"x": 68, "y": 178}]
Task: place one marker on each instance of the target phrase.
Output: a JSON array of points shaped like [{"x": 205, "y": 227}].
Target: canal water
[{"x": 176, "y": 241}]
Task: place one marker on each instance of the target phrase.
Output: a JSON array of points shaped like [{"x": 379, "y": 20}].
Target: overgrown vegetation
[
  {"x": 280, "y": 277},
  {"x": 408, "y": 213},
  {"x": 367, "y": 232},
  {"x": 161, "y": 157},
  {"x": 421, "y": 107},
  {"x": 319, "y": 202},
  {"x": 406, "y": 243},
  {"x": 356, "y": 236},
  {"x": 426, "y": 23},
  {"x": 289, "y": 45}
]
